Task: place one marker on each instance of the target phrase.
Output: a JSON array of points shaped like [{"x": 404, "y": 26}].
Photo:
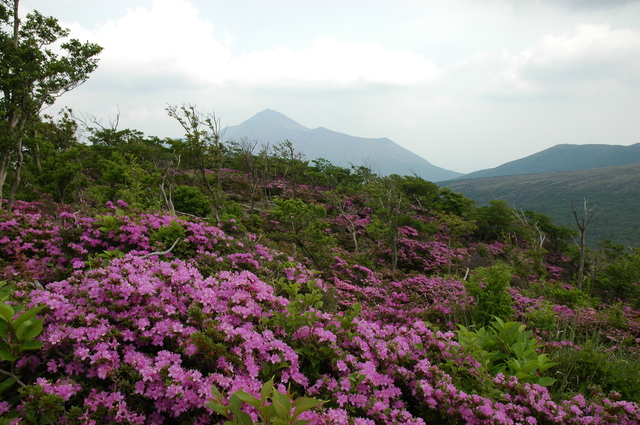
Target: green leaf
[
  {"x": 215, "y": 393},
  {"x": 30, "y": 344},
  {"x": 244, "y": 418},
  {"x": 266, "y": 390},
  {"x": 248, "y": 398},
  {"x": 4, "y": 330},
  {"x": 235, "y": 404},
  {"x": 7, "y": 355},
  {"x": 282, "y": 404},
  {"x": 26, "y": 315},
  {"x": 6, "y": 384},
  {"x": 302, "y": 404},
  {"x": 218, "y": 408},
  {"x": 518, "y": 349},
  {"x": 6, "y": 312},
  {"x": 29, "y": 330},
  {"x": 545, "y": 381}
]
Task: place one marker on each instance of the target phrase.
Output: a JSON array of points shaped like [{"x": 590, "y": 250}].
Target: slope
[
  {"x": 565, "y": 158},
  {"x": 615, "y": 191}
]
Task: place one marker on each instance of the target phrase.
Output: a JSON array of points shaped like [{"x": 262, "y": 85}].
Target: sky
[{"x": 465, "y": 84}]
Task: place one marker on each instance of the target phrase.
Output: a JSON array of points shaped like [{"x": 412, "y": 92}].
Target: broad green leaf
[
  {"x": 523, "y": 376},
  {"x": 29, "y": 330},
  {"x": 545, "y": 381},
  {"x": 215, "y": 393},
  {"x": 4, "y": 330},
  {"x": 266, "y": 390},
  {"x": 26, "y": 315},
  {"x": 302, "y": 404},
  {"x": 244, "y": 418},
  {"x": 7, "y": 355},
  {"x": 31, "y": 344},
  {"x": 6, "y": 384},
  {"x": 546, "y": 365},
  {"x": 6, "y": 312},
  {"x": 530, "y": 366},
  {"x": 282, "y": 404},
  {"x": 248, "y": 398},
  {"x": 218, "y": 408},
  {"x": 235, "y": 404},
  {"x": 518, "y": 349},
  {"x": 267, "y": 412}
]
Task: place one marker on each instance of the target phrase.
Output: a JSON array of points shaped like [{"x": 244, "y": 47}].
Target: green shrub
[
  {"x": 190, "y": 200},
  {"x": 596, "y": 365},
  {"x": 506, "y": 347},
  {"x": 273, "y": 407},
  {"x": 489, "y": 288}
]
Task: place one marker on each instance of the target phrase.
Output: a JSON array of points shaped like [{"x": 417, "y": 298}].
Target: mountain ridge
[
  {"x": 564, "y": 157},
  {"x": 270, "y": 126}
]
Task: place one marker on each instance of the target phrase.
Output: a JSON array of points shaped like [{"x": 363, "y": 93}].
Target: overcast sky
[{"x": 467, "y": 85}]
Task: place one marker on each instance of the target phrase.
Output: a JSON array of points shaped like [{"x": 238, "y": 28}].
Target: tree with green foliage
[
  {"x": 293, "y": 164},
  {"x": 32, "y": 76},
  {"x": 202, "y": 150},
  {"x": 300, "y": 224},
  {"x": 391, "y": 207},
  {"x": 495, "y": 220}
]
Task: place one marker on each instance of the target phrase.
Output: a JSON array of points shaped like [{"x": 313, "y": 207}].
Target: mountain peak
[
  {"x": 269, "y": 120},
  {"x": 340, "y": 149}
]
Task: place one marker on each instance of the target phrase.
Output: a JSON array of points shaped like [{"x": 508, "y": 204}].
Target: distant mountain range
[
  {"x": 564, "y": 158},
  {"x": 614, "y": 191},
  {"x": 384, "y": 156}
]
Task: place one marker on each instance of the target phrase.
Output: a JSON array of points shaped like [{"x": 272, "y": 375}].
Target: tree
[
  {"x": 33, "y": 76},
  {"x": 302, "y": 224},
  {"x": 202, "y": 149},
  {"x": 582, "y": 223},
  {"x": 391, "y": 207},
  {"x": 293, "y": 164}
]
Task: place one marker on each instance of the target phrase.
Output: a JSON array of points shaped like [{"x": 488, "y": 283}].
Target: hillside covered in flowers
[{"x": 140, "y": 289}]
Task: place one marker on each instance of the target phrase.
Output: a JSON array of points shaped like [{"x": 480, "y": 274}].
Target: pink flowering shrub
[{"x": 135, "y": 338}]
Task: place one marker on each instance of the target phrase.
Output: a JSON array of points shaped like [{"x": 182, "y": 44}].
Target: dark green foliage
[
  {"x": 615, "y": 190},
  {"x": 190, "y": 200},
  {"x": 301, "y": 224},
  {"x": 489, "y": 288},
  {"x": 594, "y": 364}
]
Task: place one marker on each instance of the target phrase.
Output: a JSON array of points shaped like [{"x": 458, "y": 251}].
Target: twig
[
  {"x": 151, "y": 254},
  {"x": 12, "y": 375}
]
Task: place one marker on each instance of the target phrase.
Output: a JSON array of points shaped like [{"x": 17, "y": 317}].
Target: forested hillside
[
  {"x": 613, "y": 191},
  {"x": 199, "y": 280}
]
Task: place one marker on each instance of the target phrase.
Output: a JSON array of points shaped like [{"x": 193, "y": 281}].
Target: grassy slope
[{"x": 614, "y": 190}]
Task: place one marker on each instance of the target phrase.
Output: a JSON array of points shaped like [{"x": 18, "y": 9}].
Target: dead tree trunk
[{"x": 582, "y": 223}]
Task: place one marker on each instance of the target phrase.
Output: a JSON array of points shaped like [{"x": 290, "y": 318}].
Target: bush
[
  {"x": 506, "y": 347},
  {"x": 489, "y": 288},
  {"x": 189, "y": 200}
]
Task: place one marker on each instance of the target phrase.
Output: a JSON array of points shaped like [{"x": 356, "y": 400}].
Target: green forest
[{"x": 200, "y": 280}]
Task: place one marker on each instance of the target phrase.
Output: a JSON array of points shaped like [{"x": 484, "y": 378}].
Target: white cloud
[
  {"x": 329, "y": 62},
  {"x": 593, "y": 54},
  {"x": 169, "y": 44}
]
